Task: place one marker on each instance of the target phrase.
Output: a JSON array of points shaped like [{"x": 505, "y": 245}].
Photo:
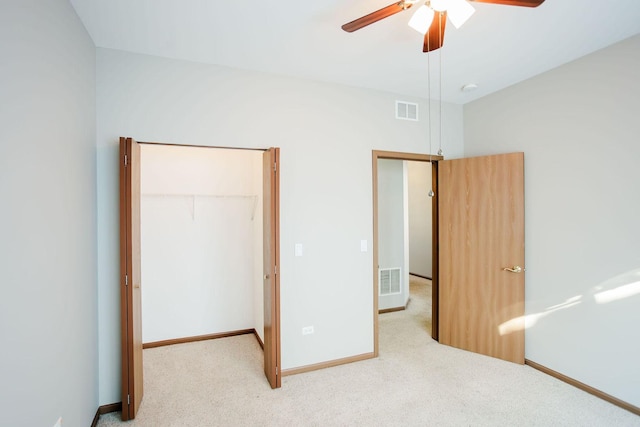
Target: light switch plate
[
  {"x": 363, "y": 246},
  {"x": 298, "y": 249}
]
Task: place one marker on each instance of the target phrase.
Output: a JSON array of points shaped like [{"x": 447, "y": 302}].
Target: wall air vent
[
  {"x": 389, "y": 281},
  {"x": 406, "y": 110}
]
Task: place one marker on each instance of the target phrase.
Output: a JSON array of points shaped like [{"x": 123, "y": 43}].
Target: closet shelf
[{"x": 208, "y": 196}]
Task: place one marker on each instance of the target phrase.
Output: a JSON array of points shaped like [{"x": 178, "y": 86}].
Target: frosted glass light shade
[
  {"x": 459, "y": 11},
  {"x": 421, "y": 19}
]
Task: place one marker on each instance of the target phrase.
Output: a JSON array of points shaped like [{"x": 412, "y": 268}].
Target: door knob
[
  {"x": 266, "y": 277},
  {"x": 514, "y": 269}
]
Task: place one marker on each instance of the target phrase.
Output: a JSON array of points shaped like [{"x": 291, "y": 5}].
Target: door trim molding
[{"x": 398, "y": 155}]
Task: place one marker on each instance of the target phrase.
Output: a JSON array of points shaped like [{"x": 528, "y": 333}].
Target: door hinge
[
  {"x": 126, "y": 280},
  {"x": 275, "y": 269},
  {"x": 275, "y": 166},
  {"x": 128, "y": 400},
  {"x": 126, "y": 160},
  {"x": 276, "y": 370}
]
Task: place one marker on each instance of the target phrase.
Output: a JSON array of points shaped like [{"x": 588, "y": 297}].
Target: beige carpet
[{"x": 414, "y": 382}]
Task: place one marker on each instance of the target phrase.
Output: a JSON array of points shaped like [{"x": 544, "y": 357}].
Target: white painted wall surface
[
  {"x": 578, "y": 127},
  {"x": 391, "y": 227},
  {"x": 199, "y": 206},
  {"x": 48, "y": 320},
  {"x": 405, "y": 232},
  {"x": 420, "y": 219},
  {"x": 326, "y": 133}
]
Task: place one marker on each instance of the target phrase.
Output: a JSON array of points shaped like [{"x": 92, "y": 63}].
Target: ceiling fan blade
[
  {"x": 524, "y": 3},
  {"x": 376, "y": 16},
  {"x": 434, "y": 38}
]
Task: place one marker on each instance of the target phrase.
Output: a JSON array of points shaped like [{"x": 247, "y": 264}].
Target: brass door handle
[
  {"x": 514, "y": 269},
  {"x": 266, "y": 277}
]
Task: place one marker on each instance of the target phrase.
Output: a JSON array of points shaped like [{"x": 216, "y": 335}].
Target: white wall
[
  {"x": 405, "y": 230},
  {"x": 420, "y": 218},
  {"x": 48, "y": 322},
  {"x": 578, "y": 127},
  {"x": 392, "y": 237},
  {"x": 258, "y": 251},
  {"x": 199, "y": 206},
  {"x": 326, "y": 133}
]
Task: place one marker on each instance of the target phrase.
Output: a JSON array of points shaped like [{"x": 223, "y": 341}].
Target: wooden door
[
  {"x": 480, "y": 233},
  {"x": 130, "y": 301},
  {"x": 271, "y": 242}
]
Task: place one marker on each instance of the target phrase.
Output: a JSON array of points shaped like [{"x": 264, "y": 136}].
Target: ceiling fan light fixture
[
  {"x": 421, "y": 19},
  {"x": 459, "y": 11}
]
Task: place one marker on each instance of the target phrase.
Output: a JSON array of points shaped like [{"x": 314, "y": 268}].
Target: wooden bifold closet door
[
  {"x": 271, "y": 260},
  {"x": 130, "y": 275}
]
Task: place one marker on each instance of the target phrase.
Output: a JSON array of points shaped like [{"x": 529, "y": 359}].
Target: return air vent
[
  {"x": 389, "y": 281},
  {"x": 406, "y": 111}
]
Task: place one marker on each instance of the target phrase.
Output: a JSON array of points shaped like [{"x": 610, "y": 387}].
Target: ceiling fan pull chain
[
  {"x": 431, "y": 193},
  {"x": 440, "y": 72},
  {"x": 429, "y": 101}
]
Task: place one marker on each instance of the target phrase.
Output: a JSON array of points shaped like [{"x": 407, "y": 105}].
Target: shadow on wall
[{"x": 617, "y": 288}]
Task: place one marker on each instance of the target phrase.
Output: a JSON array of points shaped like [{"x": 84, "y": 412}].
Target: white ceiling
[{"x": 497, "y": 47}]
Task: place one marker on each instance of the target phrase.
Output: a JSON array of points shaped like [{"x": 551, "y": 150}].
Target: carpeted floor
[{"x": 414, "y": 382}]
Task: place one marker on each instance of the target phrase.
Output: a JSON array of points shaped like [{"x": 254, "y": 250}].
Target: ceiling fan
[{"x": 430, "y": 19}]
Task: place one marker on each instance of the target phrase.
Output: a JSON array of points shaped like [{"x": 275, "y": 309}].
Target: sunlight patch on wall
[
  {"x": 619, "y": 287},
  {"x": 618, "y": 293},
  {"x": 528, "y": 321}
]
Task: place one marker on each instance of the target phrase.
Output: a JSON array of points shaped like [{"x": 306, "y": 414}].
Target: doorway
[
  {"x": 404, "y": 231},
  {"x": 398, "y": 156},
  {"x": 201, "y": 243},
  {"x": 478, "y": 245},
  {"x": 130, "y": 260}
]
